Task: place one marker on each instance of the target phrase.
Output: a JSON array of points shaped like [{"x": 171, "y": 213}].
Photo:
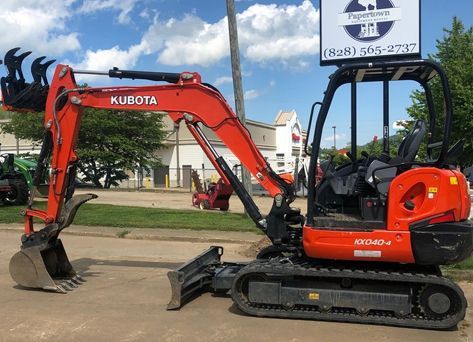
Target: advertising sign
[{"x": 354, "y": 30}]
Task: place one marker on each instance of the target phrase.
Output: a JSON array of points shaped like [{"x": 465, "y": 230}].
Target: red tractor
[
  {"x": 215, "y": 196},
  {"x": 369, "y": 246}
]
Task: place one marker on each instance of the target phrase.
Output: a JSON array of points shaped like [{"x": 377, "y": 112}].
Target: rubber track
[{"x": 276, "y": 268}]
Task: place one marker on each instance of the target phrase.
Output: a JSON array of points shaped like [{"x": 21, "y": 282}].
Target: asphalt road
[{"x": 126, "y": 293}]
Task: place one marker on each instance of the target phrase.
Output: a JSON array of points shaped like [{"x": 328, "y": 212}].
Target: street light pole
[{"x": 334, "y": 137}]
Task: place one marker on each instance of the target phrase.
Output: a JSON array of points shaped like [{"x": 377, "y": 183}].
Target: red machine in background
[
  {"x": 215, "y": 196},
  {"x": 369, "y": 247}
]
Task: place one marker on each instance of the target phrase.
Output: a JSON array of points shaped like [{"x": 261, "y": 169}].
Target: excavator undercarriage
[{"x": 299, "y": 287}]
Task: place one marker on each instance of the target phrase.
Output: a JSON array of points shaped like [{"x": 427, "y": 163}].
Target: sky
[{"x": 279, "y": 47}]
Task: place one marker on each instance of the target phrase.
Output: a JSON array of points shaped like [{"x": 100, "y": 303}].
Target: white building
[
  {"x": 280, "y": 143},
  {"x": 9, "y": 144}
]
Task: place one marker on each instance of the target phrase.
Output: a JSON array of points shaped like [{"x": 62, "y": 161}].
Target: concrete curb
[{"x": 182, "y": 235}]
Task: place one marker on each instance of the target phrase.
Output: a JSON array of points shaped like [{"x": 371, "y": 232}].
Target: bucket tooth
[
  {"x": 66, "y": 285},
  {"x": 77, "y": 280},
  {"x": 60, "y": 289},
  {"x": 72, "y": 284}
]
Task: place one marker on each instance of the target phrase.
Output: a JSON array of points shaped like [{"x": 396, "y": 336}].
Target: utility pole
[
  {"x": 334, "y": 137},
  {"x": 237, "y": 83}
]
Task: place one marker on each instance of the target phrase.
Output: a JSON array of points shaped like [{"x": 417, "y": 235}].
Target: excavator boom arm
[{"x": 186, "y": 99}]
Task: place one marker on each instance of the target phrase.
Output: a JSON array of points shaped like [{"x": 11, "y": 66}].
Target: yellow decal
[
  {"x": 453, "y": 181},
  {"x": 314, "y": 296},
  {"x": 434, "y": 189}
]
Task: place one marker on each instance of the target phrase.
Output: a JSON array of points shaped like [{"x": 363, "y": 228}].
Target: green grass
[
  {"x": 4, "y": 114},
  {"x": 466, "y": 264},
  {"x": 122, "y": 233},
  {"x": 461, "y": 271},
  {"x": 136, "y": 217}
]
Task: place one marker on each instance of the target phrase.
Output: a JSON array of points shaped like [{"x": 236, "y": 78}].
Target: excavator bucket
[
  {"x": 45, "y": 266},
  {"x": 42, "y": 261}
]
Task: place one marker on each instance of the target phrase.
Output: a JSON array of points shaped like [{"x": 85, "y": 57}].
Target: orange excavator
[{"x": 368, "y": 249}]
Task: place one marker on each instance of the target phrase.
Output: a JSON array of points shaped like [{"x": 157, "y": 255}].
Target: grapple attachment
[
  {"x": 19, "y": 94},
  {"x": 42, "y": 261}
]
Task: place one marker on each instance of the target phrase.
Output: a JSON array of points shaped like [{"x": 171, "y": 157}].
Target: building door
[
  {"x": 186, "y": 176},
  {"x": 160, "y": 174}
]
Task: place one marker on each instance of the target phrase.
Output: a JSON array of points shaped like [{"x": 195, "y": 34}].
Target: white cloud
[
  {"x": 251, "y": 94},
  {"x": 397, "y": 125},
  {"x": 266, "y": 33},
  {"x": 103, "y": 60},
  {"x": 42, "y": 31},
  {"x": 107, "y": 58},
  {"x": 222, "y": 80},
  {"x": 272, "y": 83},
  {"x": 188, "y": 41},
  {"x": 284, "y": 33},
  {"x": 337, "y": 136},
  {"x": 123, "y": 6},
  {"x": 145, "y": 13}
]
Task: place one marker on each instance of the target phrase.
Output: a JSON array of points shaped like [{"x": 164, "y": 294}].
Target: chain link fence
[{"x": 172, "y": 178}]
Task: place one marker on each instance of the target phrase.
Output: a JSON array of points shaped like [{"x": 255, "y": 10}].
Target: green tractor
[{"x": 16, "y": 179}]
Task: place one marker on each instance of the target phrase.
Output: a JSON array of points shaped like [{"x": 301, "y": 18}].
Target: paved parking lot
[
  {"x": 175, "y": 200},
  {"x": 126, "y": 293}
]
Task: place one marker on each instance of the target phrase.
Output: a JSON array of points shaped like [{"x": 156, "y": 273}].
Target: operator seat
[
  {"x": 406, "y": 153},
  {"x": 410, "y": 145}
]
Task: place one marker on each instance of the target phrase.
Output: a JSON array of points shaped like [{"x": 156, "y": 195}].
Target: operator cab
[{"x": 355, "y": 194}]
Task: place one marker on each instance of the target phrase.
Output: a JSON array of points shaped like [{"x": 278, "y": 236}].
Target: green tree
[
  {"x": 28, "y": 126},
  {"x": 375, "y": 148},
  {"x": 110, "y": 142},
  {"x": 455, "y": 54}
]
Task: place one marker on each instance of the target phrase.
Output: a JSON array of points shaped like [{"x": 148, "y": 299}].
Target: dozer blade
[
  {"x": 193, "y": 276},
  {"x": 44, "y": 266}
]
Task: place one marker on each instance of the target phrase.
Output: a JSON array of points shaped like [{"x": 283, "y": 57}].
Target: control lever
[{"x": 352, "y": 158}]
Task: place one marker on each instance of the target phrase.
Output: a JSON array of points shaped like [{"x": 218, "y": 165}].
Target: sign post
[{"x": 357, "y": 30}]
